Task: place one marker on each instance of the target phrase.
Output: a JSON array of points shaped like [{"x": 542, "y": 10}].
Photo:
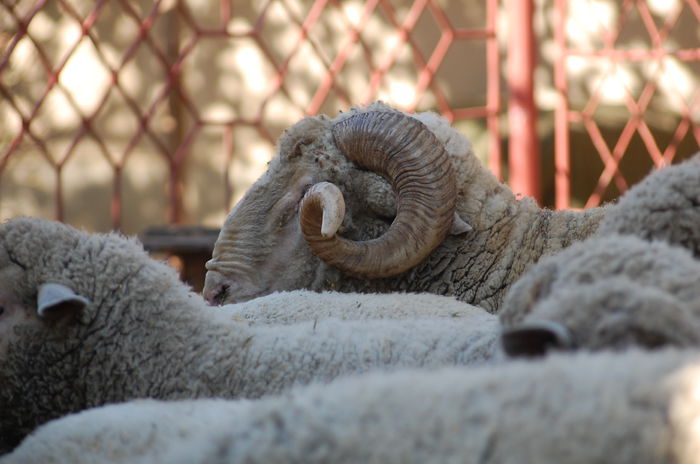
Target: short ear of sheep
[
  {"x": 536, "y": 339},
  {"x": 459, "y": 226},
  {"x": 56, "y": 300}
]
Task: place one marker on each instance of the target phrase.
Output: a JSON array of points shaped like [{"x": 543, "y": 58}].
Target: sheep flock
[{"x": 377, "y": 296}]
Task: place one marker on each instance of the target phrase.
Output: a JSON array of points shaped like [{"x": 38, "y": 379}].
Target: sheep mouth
[
  {"x": 230, "y": 297},
  {"x": 232, "y": 287},
  {"x": 228, "y": 292},
  {"x": 220, "y": 297}
]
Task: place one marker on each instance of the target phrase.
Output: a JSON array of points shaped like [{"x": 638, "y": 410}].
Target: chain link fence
[{"x": 125, "y": 114}]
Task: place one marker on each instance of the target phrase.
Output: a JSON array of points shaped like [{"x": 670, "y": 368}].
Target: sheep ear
[
  {"x": 57, "y": 299},
  {"x": 459, "y": 225},
  {"x": 535, "y": 339}
]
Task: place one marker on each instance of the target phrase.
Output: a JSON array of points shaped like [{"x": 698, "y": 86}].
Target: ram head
[{"x": 367, "y": 195}]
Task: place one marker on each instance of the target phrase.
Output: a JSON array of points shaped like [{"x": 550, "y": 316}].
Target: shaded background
[{"x": 125, "y": 114}]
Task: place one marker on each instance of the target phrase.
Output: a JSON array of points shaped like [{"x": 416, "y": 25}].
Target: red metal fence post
[
  {"x": 493, "y": 90},
  {"x": 523, "y": 153},
  {"x": 562, "y": 168}
]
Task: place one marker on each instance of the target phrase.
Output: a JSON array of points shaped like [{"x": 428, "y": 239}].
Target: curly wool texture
[
  {"x": 619, "y": 312},
  {"x": 303, "y": 305},
  {"x": 476, "y": 267},
  {"x": 636, "y": 281},
  {"x": 145, "y": 335},
  {"x": 613, "y": 291},
  {"x": 582, "y": 408},
  {"x": 664, "y": 206}
]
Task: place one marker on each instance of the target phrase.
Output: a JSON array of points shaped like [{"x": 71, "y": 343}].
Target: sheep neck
[
  {"x": 478, "y": 267},
  {"x": 184, "y": 352}
]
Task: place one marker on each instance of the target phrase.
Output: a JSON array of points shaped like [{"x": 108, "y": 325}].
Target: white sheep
[
  {"x": 616, "y": 288},
  {"x": 451, "y": 228},
  {"x": 305, "y": 305},
  {"x": 90, "y": 319},
  {"x": 608, "y": 291},
  {"x": 664, "y": 206},
  {"x": 627, "y": 408}
]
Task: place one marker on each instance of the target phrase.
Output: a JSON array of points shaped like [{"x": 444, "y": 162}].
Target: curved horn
[
  {"x": 408, "y": 154},
  {"x": 327, "y": 201}
]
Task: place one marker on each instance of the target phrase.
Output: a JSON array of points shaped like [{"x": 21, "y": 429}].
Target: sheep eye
[
  {"x": 301, "y": 197},
  {"x": 287, "y": 215},
  {"x": 2, "y": 310}
]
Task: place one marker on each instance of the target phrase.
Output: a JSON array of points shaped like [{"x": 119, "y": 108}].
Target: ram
[
  {"x": 90, "y": 319},
  {"x": 581, "y": 408},
  {"x": 325, "y": 216}
]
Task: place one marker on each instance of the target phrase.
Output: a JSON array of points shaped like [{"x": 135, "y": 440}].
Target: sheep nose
[
  {"x": 216, "y": 295},
  {"x": 209, "y": 295},
  {"x": 535, "y": 339},
  {"x": 215, "y": 288}
]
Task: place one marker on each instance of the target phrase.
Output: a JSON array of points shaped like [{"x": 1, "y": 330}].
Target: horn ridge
[{"x": 405, "y": 152}]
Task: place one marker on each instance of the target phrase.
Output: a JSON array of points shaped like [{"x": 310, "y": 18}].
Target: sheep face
[
  {"x": 12, "y": 311},
  {"x": 369, "y": 194},
  {"x": 262, "y": 238}
]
